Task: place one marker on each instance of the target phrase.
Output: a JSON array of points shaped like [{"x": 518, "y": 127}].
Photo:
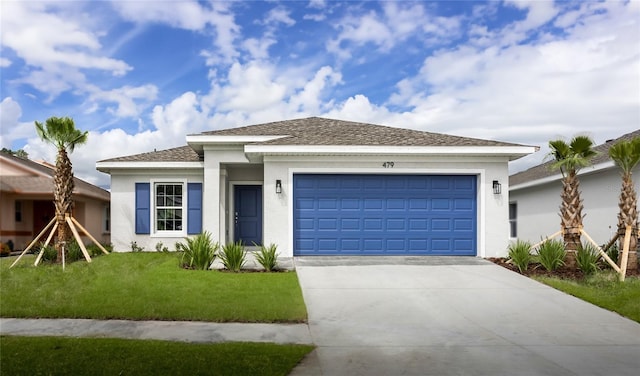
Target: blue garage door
[{"x": 384, "y": 214}]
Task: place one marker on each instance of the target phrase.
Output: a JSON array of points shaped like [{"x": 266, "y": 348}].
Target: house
[
  {"x": 318, "y": 186},
  {"x": 534, "y": 197},
  {"x": 26, "y": 202}
]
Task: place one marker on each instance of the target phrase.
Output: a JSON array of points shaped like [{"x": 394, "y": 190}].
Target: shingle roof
[
  {"x": 544, "y": 170},
  {"x": 41, "y": 182},
  {"x": 322, "y": 131},
  {"x": 179, "y": 154},
  {"x": 317, "y": 131}
]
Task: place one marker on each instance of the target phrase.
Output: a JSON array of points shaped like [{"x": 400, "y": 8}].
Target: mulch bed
[{"x": 562, "y": 272}]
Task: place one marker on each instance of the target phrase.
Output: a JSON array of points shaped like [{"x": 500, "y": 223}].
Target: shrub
[
  {"x": 520, "y": 254},
  {"x": 587, "y": 259},
  {"x": 73, "y": 251},
  {"x": 95, "y": 251},
  {"x": 613, "y": 253},
  {"x": 233, "y": 256},
  {"x": 161, "y": 248},
  {"x": 199, "y": 252},
  {"x": 268, "y": 257},
  {"x": 50, "y": 254},
  {"x": 4, "y": 250},
  {"x": 135, "y": 247},
  {"x": 551, "y": 254}
]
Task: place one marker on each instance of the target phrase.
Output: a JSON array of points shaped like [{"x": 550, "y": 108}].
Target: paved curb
[{"x": 182, "y": 331}]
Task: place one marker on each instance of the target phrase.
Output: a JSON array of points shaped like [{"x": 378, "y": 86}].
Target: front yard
[{"x": 147, "y": 286}]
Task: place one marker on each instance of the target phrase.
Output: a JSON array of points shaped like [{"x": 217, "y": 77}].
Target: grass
[
  {"x": 105, "y": 356},
  {"x": 603, "y": 290},
  {"x": 147, "y": 286}
]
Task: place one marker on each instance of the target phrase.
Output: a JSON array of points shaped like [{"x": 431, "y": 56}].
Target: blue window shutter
[
  {"x": 143, "y": 208},
  {"x": 194, "y": 208}
]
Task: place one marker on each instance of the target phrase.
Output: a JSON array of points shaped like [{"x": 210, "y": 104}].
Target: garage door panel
[{"x": 384, "y": 214}]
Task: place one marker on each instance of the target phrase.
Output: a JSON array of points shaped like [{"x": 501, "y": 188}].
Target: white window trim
[{"x": 168, "y": 234}]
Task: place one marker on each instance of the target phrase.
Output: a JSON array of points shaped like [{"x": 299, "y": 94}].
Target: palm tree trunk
[
  {"x": 63, "y": 199},
  {"x": 628, "y": 216},
  {"x": 571, "y": 216}
]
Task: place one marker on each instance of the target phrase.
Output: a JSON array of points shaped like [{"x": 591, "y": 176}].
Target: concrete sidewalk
[
  {"x": 185, "y": 331},
  {"x": 438, "y": 317}
]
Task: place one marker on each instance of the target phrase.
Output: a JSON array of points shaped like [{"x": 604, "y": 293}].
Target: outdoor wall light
[
  {"x": 278, "y": 186},
  {"x": 497, "y": 187}
]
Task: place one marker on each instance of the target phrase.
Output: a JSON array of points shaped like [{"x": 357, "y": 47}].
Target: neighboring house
[
  {"x": 534, "y": 198},
  {"x": 26, "y": 202},
  {"x": 318, "y": 186}
]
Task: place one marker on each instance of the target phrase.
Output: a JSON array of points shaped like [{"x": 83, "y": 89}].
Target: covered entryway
[{"x": 367, "y": 214}]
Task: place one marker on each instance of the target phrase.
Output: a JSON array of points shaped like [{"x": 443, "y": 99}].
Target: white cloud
[
  {"x": 250, "y": 87},
  {"x": 396, "y": 23},
  {"x": 189, "y": 15},
  {"x": 279, "y": 15},
  {"x": 4, "y": 62},
  {"x": 48, "y": 40},
  {"x": 11, "y": 128},
  {"x": 318, "y": 4},
  {"x": 125, "y": 97}
]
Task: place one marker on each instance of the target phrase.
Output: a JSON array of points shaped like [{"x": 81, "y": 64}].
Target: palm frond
[{"x": 626, "y": 154}]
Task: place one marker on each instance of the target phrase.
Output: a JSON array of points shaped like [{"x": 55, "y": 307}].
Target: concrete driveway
[{"x": 454, "y": 316}]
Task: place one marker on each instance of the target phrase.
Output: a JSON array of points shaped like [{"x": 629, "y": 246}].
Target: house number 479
[{"x": 387, "y": 164}]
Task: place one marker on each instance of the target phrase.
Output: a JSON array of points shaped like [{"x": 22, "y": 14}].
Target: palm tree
[
  {"x": 569, "y": 159},
  {"x": 626, "y": 155},
  {"x": 62, "y": 133}
]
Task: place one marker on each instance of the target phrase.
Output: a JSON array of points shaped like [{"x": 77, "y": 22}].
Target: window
[
  {"x": 18, "y": 206},
  {"x": 513, "y": 219},
  {"x": 106, "y": 219},
  {"x": 168, "y": 208}
]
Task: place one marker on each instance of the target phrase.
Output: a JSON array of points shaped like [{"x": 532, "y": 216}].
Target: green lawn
[
  {"x": 146, "y": 286},
  {"x": 104, "y": 356},
  {"x": 605, "y": 291}
]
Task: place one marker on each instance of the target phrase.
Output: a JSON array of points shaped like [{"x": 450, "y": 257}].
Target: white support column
[
  {"x": 223, "y": 207},
  {"x": 211, "y": 197}
]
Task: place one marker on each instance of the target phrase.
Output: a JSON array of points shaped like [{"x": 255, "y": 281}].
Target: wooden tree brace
[
  {"x": 78, "y": 239},
  {"x": 46, "y": 243},
  {"x": 625, "y": 253},
  {"x": 53, "y": 220},
  {"x": 600, "y": 251}
]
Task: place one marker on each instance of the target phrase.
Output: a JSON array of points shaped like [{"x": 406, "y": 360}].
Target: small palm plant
[
  {"x": 569, "y": 159},
  {"x": 233, "y": 256},
  {"x": 626, "y": 155},
  {"x": 267, "y": 256},
  {"x": 520, "y": 254},
  {"x": 62, "y": 133},
  {"x": 199, "y": 251},
  {"x": 551, "y": 254},
  {"x": 587, "y": 259}
]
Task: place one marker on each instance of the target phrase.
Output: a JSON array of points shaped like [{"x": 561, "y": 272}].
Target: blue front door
[{"x": 248, "y": 214}]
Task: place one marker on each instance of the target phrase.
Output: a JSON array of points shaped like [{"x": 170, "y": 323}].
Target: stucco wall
[
  {"x": 538, "y": 207},
  {"x": 224, "y": 169},
  {"x": 492, "y": 209},
  {"x": 123, "y": 207}
]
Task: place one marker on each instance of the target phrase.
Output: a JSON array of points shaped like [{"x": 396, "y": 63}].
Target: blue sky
[{"x": 141, "y": 75}]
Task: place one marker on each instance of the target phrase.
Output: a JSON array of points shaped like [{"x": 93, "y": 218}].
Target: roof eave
[
  {"x": 107, "y": 167},
  {"x": 511, "y": 152},
  {"x": 556, "y": 177},
  {"x": 197, "y": 142}
]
